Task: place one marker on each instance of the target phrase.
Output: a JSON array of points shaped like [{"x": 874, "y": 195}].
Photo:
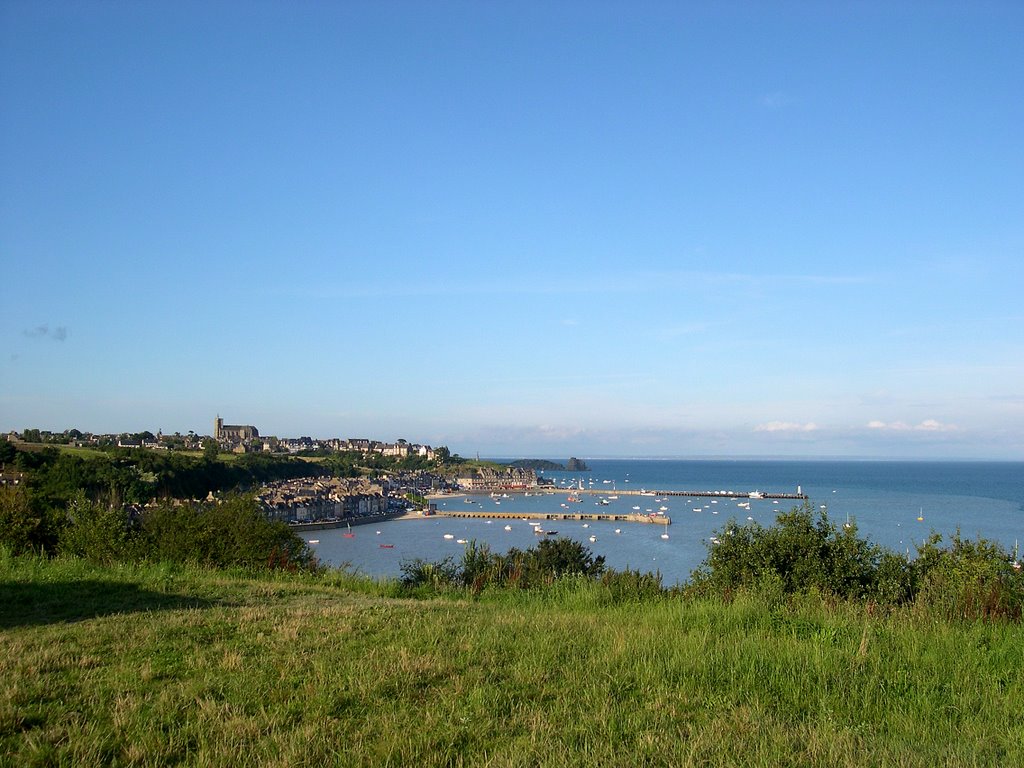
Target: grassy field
[{"x": 156, "y": 665}]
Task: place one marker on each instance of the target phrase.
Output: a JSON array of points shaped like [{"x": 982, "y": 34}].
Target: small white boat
[
  {"x": 314, "y": 541},
  {"x": 618, "y": 530},
  {"x": 593, "y": 538},
  {"x": 586, "y": 525},
  {"x": 461, "y": 541},
  {"x": 637, "y": 508},
  {"x": 664, "y": 535},
  {"x": 449, "y": 536},
  {"x": 508, "y": 527}
]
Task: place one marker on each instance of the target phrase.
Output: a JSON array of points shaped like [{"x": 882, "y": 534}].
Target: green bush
[
  {"x": 480, "y": 568},
  {"x": 423, "y": 573},
  {"x": 804, "y": 551},
  {"x": 233, "y": 532},
  {"x": 229, "y": 533},
  {"x": 99, "y": 533},
  {"x": 632, "y": 586},
  {"x": 969, "y": 580},
  {"x": 20, "y": 525}
]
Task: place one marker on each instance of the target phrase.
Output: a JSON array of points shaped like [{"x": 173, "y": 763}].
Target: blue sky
[{"x": 519, "y": 228}]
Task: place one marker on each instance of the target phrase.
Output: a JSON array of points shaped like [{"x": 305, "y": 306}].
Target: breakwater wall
[
  {"x": 583, "y": 516},
  {"x": 323, "y": 525},
  {"x": 693, "y": 494}
]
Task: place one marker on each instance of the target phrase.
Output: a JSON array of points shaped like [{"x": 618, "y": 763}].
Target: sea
[{"x": 897, "y": 504}]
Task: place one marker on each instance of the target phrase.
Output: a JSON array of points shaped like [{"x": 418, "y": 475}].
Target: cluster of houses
[
  {"x": 322, "y": 499},
  {"x": 325, "y": 499},
  {"x": 244, "y": 438},
  {"x": 510, "y": 479},
  {"x": 238, "y": 438}
]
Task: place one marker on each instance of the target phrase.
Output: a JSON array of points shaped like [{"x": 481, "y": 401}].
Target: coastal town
[
  {"x": 233, "y": 438},
  {"x": 400, "y": 476}
]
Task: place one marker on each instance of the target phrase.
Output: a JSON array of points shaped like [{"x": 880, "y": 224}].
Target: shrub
[
  {"x": 480, "y": 568},
  {"x": 98, "y": 532},
  {"x": 969, "y": 580},
  {"x": 233, "y": 532},
  {"x": 632, "y": 586},
  {"x": 230, "y": 533},
  {"x": 21, "y": 526},
  {"x": 804, "y": 551},
  {"x": 423, "y": 573}
]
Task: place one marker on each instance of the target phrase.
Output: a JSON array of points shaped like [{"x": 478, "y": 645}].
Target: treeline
[
  {"x": 137, "y": 476},
  {"x": 232, "y": 532},
  {"x": 804, "y": 553},
  {"x": 356, "y": 464},
  {"x": 121, "y": 479}
]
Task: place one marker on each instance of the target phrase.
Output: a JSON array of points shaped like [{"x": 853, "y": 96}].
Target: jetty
[
  {"x": 622, "y": 517},
  {"x": 691, "y": 494}
]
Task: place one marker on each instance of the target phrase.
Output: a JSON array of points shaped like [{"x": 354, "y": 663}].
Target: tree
[
  {"x": 210, "y": 450},
  {"x": 7, "y": 451},
  {"x": 19, "y": 525}
]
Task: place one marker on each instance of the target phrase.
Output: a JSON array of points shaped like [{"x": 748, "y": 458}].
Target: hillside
[{"x": 171, "y": 665}]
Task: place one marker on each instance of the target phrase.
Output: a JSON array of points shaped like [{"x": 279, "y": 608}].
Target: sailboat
[
  {"x": 920, "y": 515},
  {"x": 348, "y": 534}
]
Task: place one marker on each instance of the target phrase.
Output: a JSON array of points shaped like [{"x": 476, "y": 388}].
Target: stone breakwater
[{"x": 622, "y": 517}]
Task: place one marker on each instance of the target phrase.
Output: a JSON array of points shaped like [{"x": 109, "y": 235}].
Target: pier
[
  {"x": 690, "y": 494},
  {"x": 622, "y": 517}
]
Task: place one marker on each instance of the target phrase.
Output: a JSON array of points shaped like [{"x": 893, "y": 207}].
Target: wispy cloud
[
  {"x": 786, "y": 426},
  {"x": 928, "y": 425},
  {"x": 60, "y": 333}
]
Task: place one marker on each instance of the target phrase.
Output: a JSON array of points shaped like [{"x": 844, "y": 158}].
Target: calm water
[{"x": 884, "y": 498}]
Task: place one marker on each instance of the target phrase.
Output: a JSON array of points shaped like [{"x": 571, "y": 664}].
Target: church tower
[{"x": 217, "y": 425}]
